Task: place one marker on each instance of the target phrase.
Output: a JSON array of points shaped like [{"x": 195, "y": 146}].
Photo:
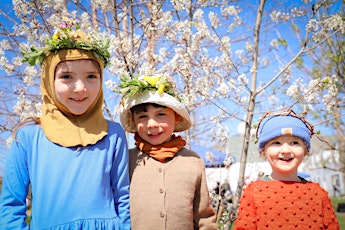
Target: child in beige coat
[{"x": 168, "y": 187}]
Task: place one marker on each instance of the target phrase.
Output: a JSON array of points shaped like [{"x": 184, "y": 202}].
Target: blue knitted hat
[{"x": 275, "y": 126}]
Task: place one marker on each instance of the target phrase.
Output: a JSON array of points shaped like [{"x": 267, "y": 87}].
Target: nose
[
  {"x": 152, "y": 123},
  {"x": 285, "y": 148},
  {"x": 79, "y": 86}
]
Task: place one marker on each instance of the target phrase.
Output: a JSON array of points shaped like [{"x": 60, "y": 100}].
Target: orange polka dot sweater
[{"x": 271, "y": 204}]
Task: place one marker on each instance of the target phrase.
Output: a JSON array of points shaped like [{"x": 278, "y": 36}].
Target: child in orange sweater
[{"x": 283, "y": 200}]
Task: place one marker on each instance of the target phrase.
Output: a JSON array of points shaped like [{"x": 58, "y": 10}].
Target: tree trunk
[{"x": 250, "y": 112}]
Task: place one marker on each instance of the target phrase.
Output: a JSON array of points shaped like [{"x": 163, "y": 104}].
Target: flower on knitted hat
[
  {"x": 132, "y": 86},
  {"x": 68, "y": 36}
]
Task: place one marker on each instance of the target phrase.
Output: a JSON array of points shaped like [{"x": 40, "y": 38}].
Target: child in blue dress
[{"x": 74, "y": 160}]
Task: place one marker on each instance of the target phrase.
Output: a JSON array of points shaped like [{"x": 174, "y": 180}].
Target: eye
[
  {"x": 91, "y": 76},
  {"x": 65, "y": 76},
  {"x": 142, "y": 116},
  {"x": 295, "y": 143},
  {"x": 275, "y": 143}
]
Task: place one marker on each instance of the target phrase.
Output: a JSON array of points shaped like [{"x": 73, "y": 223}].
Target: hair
[{"x": 143, "y": 107}]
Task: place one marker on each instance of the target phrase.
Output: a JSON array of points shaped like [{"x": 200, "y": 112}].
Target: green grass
[
  {"x": 341, "y": 220},
  {"x": 340, "y": 215}
]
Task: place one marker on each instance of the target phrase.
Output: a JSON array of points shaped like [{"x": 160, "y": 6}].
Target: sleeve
[
  {"x": 330, "y": 219},
  {"x": 14, "y": 188},
  {"x": 204, "y": 215},
  {"x": 120, "y": 179},
  {"x": 246, "y": 218}
]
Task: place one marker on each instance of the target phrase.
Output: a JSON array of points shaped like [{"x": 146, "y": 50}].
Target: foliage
[
  {"x": 135, "y": 85},
  {"x": 68, "y": 36}
]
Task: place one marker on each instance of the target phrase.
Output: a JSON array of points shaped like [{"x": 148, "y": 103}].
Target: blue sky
[{"x": 6, "y": 6}]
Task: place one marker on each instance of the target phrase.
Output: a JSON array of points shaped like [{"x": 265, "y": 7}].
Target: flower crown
[
  {"x": 68, "y": 36},
  {"x": 132, "y": 86}
]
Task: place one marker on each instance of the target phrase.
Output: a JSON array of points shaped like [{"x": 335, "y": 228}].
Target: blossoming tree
[{"x": 232, "y": 60}]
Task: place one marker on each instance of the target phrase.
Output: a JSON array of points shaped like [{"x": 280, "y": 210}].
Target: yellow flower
[
  {"x": 151, "y": 80},
  {"x": 56, "y": 35},
  {"x": 161, "y": 88}
]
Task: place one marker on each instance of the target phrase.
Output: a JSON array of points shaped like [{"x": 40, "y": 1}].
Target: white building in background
[
  {"x": 322, "y": 168},
  {"x": 252, "y": 171}
]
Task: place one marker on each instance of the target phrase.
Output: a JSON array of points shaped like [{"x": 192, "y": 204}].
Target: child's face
[
  {"x": 285, "y": 153},
  {"x": 77, "y": 84},
  {"x": 156, "y": 124}
]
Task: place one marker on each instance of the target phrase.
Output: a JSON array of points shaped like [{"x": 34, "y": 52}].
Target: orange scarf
[{"x": 163, "y": 151}]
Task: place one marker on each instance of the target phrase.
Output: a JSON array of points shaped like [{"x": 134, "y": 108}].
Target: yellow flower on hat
[
  {"x": 56, "y": 35},
  {"x": 131, "y": 85},
  {"x": 151, "y": 80},
  {"x": 161, "y": 88}
]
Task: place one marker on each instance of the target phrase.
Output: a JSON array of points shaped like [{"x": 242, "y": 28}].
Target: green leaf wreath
[
  {"x": 68, "y": 36},
  {"x": 132, "y": 86}
]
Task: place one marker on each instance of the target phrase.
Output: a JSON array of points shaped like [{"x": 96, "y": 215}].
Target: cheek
[
  {"x": 95, "y": 92},
  {"x": 93, "y": 88},
  {"x": 270, "y": 153},
  {"x": 140, "y": 126},
  {"x": 97, "y": 87},
  {"x": 60, "y": 89}
]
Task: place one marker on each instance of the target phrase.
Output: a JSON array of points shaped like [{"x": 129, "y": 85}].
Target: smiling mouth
[
  {"x": 78, "y": 99},
  {"x": 153, "y": 134},
  {"x": 286, "y": 159}
]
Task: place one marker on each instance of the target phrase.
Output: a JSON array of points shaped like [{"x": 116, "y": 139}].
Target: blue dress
[{"x": 72, "y": 188}]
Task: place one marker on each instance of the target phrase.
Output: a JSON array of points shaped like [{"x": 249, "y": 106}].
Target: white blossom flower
[
  {"x": 5, "y": 45},
  {"x": 274, "y": 44},
  {"x": 249, "y": 47},
  {"x": 213, "y": 19},
  {"x": 292, "y": 90},
  {"x": 17, "y": 61},
  {"x": 223, "y": 89},
  {"x": 313, "y": 25},
  {"x": 275, "y": 16},
  {"x": 178, "y": 4},
  {"x": 297, "y": 13},
  {"x": 230, "y": 10}
]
